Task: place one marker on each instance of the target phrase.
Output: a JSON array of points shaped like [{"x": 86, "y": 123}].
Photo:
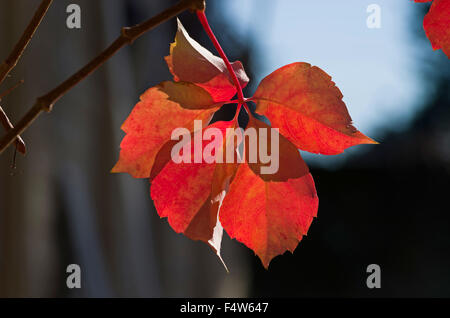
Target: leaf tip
[
  {"x": 115, "y": 169},
  {"x": 223, "y": 263},
  {"x": 265, "y": 263},
  {"x": 370, "y": 141}
]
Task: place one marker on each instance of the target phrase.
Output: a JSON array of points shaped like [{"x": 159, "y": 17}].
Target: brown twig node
[
  {"x": 6, "y": 123},
  {"x": 20, "y": 144}
]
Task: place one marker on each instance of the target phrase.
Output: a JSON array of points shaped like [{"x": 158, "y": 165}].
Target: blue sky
[{"x": 376, "y": 69}]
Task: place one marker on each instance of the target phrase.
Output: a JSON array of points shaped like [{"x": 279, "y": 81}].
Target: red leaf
[
  {"x": 161, "y": 110},
  {"x": 437, "y": 25},
  {"x": 268, "y": 217},
  {"x": 190, "y": 62},
  {"x": 307, "y": 107},
  {"x": 269, "y": 201},
  {"x": 190, "y": 194},
  {"x": 270, "y": 213}
]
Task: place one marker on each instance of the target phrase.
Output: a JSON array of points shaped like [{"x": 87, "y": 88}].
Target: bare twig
[
  {"x": 128, "y": 35},
  {"x": 16, "y": 53},
  {"x": 6, "y": 123},
  {"x": 20, "y": 144},
  {"x": 9, "y": 90}
]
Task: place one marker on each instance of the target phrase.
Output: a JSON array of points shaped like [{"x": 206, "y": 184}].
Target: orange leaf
[
  {"x": 270, "y": 213},
  {"x": 307, "y": 107},
  {"x": 150, "y": 125},
  {"x": 268, "y": 217},
  {"x": 190, "y": 62},
  {"x": 190, "y": 194},
  {"x": 266, "y": 202}
]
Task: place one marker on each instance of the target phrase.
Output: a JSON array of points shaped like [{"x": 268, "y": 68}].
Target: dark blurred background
[{"x": 382, "y": 204}]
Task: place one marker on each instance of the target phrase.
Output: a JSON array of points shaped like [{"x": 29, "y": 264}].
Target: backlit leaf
[
  {"x": 307, "y": 107},
  {"x": 190, "y": 194},
  {"x": 190, "y": 62},
  {"x": 260, "y": 192},
  {"x": 150, "y": 125},
  {"x": 270, "y": 213},
  {"x": 268, "y": 217}
]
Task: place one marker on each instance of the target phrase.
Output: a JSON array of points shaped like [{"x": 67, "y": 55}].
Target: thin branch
[
  {"x": 16, "y": 53},
  {"x": 6, "y": 123},
  {"x": 20, "y": 144},
  {"x": 128, "y": 36},
  {"x": 204, "y": 21},
  {"x": 10, "y": 90}
]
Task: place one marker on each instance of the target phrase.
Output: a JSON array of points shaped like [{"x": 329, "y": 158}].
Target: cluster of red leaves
[
  {"x": 268, "y": 213},
  {"x": 437, "y": 24}
]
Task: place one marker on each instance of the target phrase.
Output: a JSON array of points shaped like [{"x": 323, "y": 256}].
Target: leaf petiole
[{"x": 204, "y": 21}]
